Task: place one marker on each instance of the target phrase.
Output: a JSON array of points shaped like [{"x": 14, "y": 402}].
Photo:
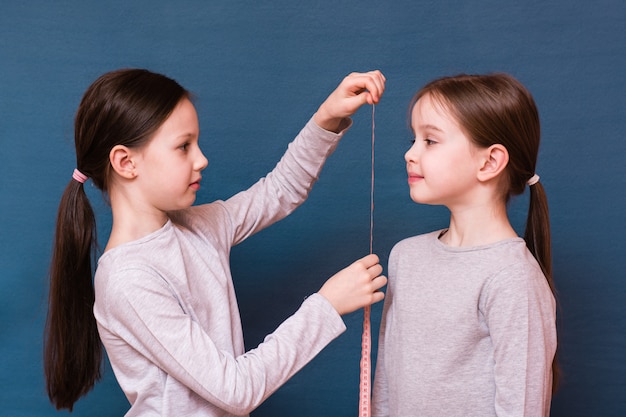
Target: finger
[
  {"x": 379, "y": 80},
  {"x": 360, "y": 98},
  {"x": 367, "y": 89},
  {"x": 378, "y": 296},
  {"x": 375, "y": 84},
  {"x": 375, "y": 270},
  {"x": 374, "y": 81},
  {"x": 369, "y": 260},
  {"x": 379, "y": 282}
]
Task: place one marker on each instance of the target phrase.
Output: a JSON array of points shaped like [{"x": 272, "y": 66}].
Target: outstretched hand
[
  {"x": 354, "y": 91},
  {"x": 356, "y": 286}
]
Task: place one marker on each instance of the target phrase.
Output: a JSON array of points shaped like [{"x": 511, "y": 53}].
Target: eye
[
  {"x": 429, "y": 142},
  {"x": 184, "y": 147}
]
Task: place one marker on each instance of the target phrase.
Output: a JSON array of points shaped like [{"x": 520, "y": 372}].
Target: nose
[
  {"x": 201, "y": 162},
  {"x": 411, "y": 155}
]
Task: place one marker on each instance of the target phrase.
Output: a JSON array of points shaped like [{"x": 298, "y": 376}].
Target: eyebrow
[
  {"x": 430, "y": 127},
  {"x": 187, "y": 136}
]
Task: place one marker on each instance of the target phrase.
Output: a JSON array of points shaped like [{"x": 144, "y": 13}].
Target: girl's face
[
  {"x": 442, "y": 162},
  {"x": 170, "y": 164}
]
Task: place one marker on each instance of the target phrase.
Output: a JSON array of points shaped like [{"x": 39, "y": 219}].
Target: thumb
[{"x": 352, "y": 104}]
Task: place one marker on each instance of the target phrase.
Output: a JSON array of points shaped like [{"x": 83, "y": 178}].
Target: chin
[
  {"x": 423, "y": 200},
  {"x": 417, "y": 199},
  {"x": 185, "y": 204}
]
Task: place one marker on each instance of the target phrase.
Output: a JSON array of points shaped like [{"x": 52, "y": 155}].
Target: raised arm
[{"x": 289, "y": 183}]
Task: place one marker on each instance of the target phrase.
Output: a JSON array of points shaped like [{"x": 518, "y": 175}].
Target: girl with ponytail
[
  {"x": 162, "y": 300},
  {"x": 468, "y": 324}
]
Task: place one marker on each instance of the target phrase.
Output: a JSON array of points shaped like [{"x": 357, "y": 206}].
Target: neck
[
  {"x": 478, "y": 225},
  {"x": 132, "y": 222}
]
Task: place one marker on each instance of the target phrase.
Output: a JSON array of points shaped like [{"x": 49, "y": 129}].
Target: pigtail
[
  {"x": 72, "y": 347},
  {"x": 537, "y": 237},
  {"x": 537, "y": 234}
]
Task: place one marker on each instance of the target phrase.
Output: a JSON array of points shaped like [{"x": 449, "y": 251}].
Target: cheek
[{"x": 441, "y": 172}]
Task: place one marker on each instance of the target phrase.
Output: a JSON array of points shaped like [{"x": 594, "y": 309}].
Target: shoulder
[
  {"x": 424, "y": 245},
  {"x": 136, "y": 266},
  {"x": 123, "y": 273},
  {"x": 408, "y": 253},
  {"x": 416, "y": 242},
  {"x": 123, "y": 283},
  {"x": 515, "y": 265},
  {"x": 518, "y": 278}
]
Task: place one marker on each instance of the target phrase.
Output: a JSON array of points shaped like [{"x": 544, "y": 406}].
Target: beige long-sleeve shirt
[
  {"x": 167, "y": 312},
  {"x": 466, "y": 331}
]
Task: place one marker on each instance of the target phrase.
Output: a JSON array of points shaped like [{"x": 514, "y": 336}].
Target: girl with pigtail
[
  {"x": 468, "y": 325},
  {"x": 162, "y": 300}
]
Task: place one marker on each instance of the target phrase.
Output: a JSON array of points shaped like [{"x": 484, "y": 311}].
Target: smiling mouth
[{"x": 413, "y": 178}]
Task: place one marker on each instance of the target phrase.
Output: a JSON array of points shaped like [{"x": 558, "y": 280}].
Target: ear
[
  {"x": 121, "y": 158},
  {"x": 494, "y": 161}
]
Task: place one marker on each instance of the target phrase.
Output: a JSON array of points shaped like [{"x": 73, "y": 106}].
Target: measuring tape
[
  {"x": 366, "y": 338},
  {"x": 365, "y": 383}
]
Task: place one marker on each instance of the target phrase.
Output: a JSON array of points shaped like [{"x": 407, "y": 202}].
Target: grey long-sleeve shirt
[
  {"x": 466, "y": 331},
  {"x": 167, "y": 312}
]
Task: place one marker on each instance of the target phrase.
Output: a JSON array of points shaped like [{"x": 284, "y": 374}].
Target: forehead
[
  {"x": 433, "y": 116},
  {"x": 432, "y": 111},
  {"x": 179, "y": 127},
  {"x": 183, "y": 118},
  {"x": 182, "y": 122}
]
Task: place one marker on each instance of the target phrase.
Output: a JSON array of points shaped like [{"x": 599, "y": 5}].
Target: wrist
[{"x": 328, "y": 122}]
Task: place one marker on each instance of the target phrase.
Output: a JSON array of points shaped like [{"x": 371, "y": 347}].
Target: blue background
[{"x": 260, "y": 70}]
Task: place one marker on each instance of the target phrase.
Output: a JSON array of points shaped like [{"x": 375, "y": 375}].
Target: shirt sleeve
[
  {"x": 520, "y": 313},
  {"x": 141, "y": 309},
  {"x": 286, "y": 187}
]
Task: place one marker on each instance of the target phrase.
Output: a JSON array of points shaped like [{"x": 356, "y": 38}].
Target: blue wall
[{"x": 260, "y": 69}]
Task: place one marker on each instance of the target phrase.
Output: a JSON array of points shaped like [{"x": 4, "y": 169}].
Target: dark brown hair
[
  {"x": 498, "y": 109},
  {"x": 123, "y": 107}
]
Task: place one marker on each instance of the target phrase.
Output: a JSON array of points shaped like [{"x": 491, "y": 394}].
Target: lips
[
  {"x": 195, "y": 185},
  {"x": 413, "y": 177}
]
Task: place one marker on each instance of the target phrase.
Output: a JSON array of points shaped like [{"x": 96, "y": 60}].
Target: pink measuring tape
[{"x": 365, "y": 379}]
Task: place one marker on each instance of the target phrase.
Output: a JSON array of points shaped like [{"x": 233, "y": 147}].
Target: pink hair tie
[
  {"x": 79, "y": 176},
  {"x": 533, "y": 180}
]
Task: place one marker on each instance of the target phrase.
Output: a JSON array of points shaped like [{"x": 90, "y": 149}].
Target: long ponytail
[
  {"x": 72, "y": 348},
  {"x": 537, "y": 237},
  {"x": 537, "y": 233}
]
